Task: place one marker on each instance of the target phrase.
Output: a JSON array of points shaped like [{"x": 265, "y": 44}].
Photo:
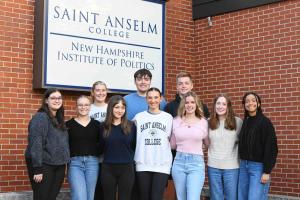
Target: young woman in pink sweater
[{"x": 190, "y": 131}]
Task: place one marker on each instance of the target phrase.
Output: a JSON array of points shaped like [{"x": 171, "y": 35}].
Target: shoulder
[
  {"x": 39, "y": 117},
  {"x": 267, "y": 123},
  {"x": 163, "y": 101},
  {"x": 101, "y": 124},
  {"x": 131, "y": 95},
  {"x": 70, "y": 122},
  {"x": 39, "y": 124},
  {"x": 166, "y": 114},
  {"x": 204, "y": 121},
  {"x": 173, "y": 103},
  {"x": 133, "y": 126},
  {"x": 238, "y": 120},
  {"x": 141, "y": 115},
  {"x": 265, "y": 120},
  {"x": 95, "y": 122},
  {"x": 177, "y": 120}
]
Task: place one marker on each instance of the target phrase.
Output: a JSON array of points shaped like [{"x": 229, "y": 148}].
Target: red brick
[{"x": 253, "y": 49}]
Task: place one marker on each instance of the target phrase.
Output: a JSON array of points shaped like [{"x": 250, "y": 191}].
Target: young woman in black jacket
[{"x": 257, "y": 150}]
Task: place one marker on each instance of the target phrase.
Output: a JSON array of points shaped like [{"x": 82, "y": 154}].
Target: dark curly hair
[{"x": 258, "y": 100}]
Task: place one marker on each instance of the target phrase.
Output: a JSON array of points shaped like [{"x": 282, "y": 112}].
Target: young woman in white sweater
[
  {"x": 153, "y": 156},
  {"x": 223, "y": 162}
]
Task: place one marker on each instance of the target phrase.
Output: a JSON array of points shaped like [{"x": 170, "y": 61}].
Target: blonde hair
[
  {"x": 199, "y": 106},
  {"x": 94, "y": 87}
]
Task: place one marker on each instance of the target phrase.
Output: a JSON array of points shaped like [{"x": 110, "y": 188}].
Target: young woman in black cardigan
[{"x": 257, "y": 150}]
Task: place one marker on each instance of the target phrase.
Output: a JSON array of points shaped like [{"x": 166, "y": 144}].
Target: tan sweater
[{"x": 223, "y": 149}]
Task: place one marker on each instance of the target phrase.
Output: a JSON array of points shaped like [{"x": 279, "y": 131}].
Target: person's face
[
  {"x": 153, "y": 100},
  {"x": 142, "y": 83},
  {"x": 190, "y": 105},
  {"x": 118, "y": 111},
  {"x": 83, "y": 106},
  {"x": 184, "y": 85},
  {"x": 54, "y": 101},
  {"x": 221, "y": 106},
  {"x": 251, "y": 104},
  {"x": 99, "y": 93}
]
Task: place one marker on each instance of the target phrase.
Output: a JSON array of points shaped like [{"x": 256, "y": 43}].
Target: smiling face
[
  {"x": 153, "y": 100},
  {"x": 190, "y": 105},
  {"x": 99, "y": 93},
  {"x": 142, "y": 83},
  {"x": 184, "y": 85},
  {"x": 251, "y": 104},
  {"x": 221, "y": 107},
  {"x": 83, "y": 106},
  {"x": 54, "y": 101},
  {"x": 118, "y": 111}
]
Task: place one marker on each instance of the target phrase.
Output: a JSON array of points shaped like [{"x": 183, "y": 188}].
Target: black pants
[
  {"x": 49, "y": 187},
  {"x": 151, "y": 185},
  {"x": 117, "y": 177},
  {"x": 99, "y": 189},
  {"x": 135, "y": 189}
]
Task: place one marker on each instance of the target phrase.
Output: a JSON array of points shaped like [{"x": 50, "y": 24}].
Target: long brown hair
[
  {"x": 199, "y": 106},
  {"x": 58, "y": 121},
  {"x": 230, "y": 122},
  {"x": 125, "y": 124}
]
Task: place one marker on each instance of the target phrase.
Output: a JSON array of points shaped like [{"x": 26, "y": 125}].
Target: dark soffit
[{"x": 206, "y": 8}]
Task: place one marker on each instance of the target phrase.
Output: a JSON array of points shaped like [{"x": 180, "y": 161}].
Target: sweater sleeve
[
  {"x": 239, "y": 124},
  {"x": 37, "y": 132},
  {"x": 271, "y": 149}
]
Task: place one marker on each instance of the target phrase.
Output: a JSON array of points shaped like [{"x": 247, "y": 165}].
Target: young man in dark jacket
[{"x": 184, "y": 85}]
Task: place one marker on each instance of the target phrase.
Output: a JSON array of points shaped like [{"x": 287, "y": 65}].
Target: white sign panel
[{"x": 107, "y": 40}]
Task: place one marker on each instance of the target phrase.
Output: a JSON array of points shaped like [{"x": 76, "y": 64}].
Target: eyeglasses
[
  {"x": 83, "y": 105},
  {"x": 55, "y": 98}
]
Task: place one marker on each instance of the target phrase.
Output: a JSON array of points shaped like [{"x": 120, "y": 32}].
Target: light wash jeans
[
  {"x": 250, "y": 187},
  {"x": 82, "y": 176},
  {"x": 223, "y": 183},
  {"x": 188, "y": 172}
]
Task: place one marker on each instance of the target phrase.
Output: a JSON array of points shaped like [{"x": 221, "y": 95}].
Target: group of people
[{"x": 123, "y": 147}]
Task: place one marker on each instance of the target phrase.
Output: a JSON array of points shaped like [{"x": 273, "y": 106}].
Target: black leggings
[
  {"x": 115, "y": 176},
  {"x": 151, "y": 185},
  {"x": 50, "y": 185},
  {"x": 99, "y": 189}
]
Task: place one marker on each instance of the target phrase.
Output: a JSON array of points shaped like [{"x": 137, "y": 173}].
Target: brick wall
[
  {"x": 258, "y": 50},
  {"x": 180, "y": 48},
  {"x": 254, "y": 49}
]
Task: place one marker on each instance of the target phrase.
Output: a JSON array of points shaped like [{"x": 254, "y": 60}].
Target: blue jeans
[
  {"x": 223, "y": 183},
  {"x": 250, "y": 187},
  {"x": 82, "y": 176},
  {"x": 188, "y": 172}
]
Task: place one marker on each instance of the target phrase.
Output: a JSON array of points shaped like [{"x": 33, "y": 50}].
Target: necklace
[{"x": 189, "y": 121}]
